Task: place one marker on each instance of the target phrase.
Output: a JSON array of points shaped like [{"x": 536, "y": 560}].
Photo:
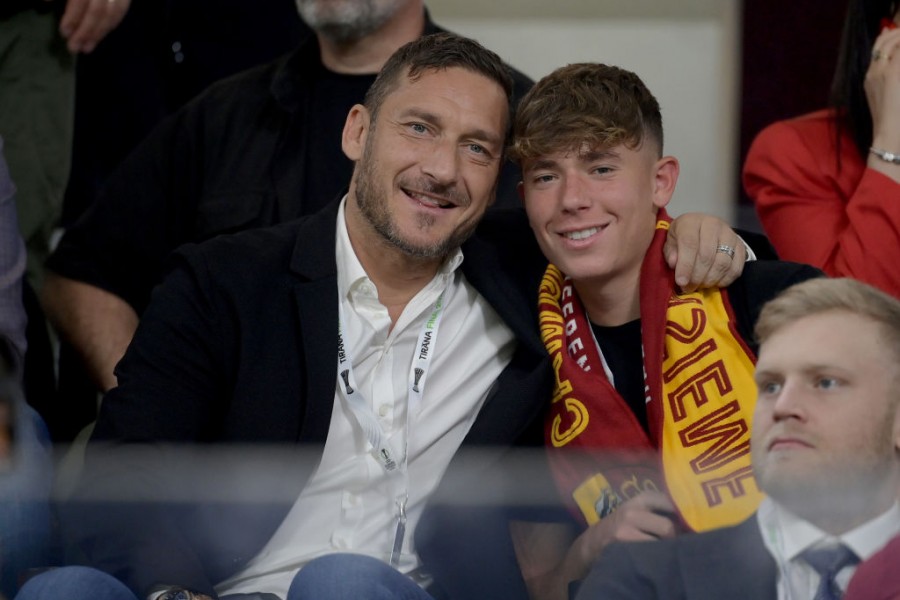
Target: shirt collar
[
  {"x": 350, "y": 270},
  {"x": 351, "y": 274},
  {"x": 795, "y": 535},
  {"x": 871, "y": 536}
]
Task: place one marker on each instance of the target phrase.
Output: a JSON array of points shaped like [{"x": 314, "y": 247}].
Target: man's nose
[
  {"x": 791, "y": 401},
  {"x": 441, "y": 161}
]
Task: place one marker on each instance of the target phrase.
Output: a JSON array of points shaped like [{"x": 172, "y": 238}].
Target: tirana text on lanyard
[{"x": 395, "y": 462}]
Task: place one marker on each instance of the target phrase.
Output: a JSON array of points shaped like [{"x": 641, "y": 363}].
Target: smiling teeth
[
  {"x": 432, "y": 202},
  {"x": 580, "y": 235}
]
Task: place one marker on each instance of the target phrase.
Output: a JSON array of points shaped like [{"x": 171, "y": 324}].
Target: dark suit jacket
[
  {"x": 237, "y": 350},
  {"x": 730, "y": 563}
]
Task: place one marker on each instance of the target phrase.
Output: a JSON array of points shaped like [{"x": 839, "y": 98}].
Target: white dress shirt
[
  {"x": 786, "y": 536},
  {"x": 349, "y": 504}
]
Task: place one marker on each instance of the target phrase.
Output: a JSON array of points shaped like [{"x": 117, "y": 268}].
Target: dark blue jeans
[
  {"x": 336, "y": 576},
  {"x": 75, "y": 583},
  {"x": 25, "y": 501},
  {"x": 353, "y": 576}
]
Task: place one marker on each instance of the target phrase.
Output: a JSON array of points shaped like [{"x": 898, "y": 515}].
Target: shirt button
[{"x": 383, "y": 410}]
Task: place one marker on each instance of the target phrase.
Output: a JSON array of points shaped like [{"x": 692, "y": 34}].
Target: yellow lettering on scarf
[
  {"x": 579, "y": 420},
  {"x": 574, "y": 408},
  {"x": 551, "y": 330},
  {"x": 551, "y": 323}
]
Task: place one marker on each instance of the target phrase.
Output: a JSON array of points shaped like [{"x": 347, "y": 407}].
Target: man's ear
[
  {"x": 665, "y": 177},
  {"x": 520, "y": 188},
  {"x": 356, "y": 128}
]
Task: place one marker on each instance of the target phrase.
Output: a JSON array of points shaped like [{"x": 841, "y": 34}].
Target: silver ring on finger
[{"x": 724, "y": 249}]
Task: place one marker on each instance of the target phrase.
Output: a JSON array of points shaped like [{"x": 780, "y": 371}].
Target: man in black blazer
[
  {"x": 826, "y": 433},
  {"x": 264, "y": 341},
  {"x": 254, "y": 150}
]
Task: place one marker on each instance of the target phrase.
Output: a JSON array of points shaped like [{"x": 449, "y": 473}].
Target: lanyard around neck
[
  {"x": 418, "y": 374},
  {"x": 362, "y": 410}
]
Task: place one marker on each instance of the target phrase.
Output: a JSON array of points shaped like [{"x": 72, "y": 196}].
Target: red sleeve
[{"x": 846, "y": 223}]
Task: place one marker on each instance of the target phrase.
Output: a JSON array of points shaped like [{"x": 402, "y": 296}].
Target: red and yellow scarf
[{"x": 698, "y": 376}]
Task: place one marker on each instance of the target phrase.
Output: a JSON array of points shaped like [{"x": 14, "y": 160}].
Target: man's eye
[
  {"x": 769, "y": 387},
  {"x": 418, "y": 128},
  {"x": 827, "y": 383},
  {"x": 477, "y": 149}
]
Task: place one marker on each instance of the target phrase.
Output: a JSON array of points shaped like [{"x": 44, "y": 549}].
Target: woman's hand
[{"x": 882, "y": 85}]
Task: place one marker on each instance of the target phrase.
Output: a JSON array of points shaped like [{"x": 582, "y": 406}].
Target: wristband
[{"x": 886, "y": 156}]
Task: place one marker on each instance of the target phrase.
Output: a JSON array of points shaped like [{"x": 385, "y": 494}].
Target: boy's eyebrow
[
  {"x": 540, "y": 163},
  {"x": 585, "y": 156},
  {"x": 592, "y": 155}
]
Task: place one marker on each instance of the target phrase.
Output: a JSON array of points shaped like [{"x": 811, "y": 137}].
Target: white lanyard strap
[
  {"x": 360, "y": 409},
  {"x": 424, "y": 350},
  {"x": 365, "y": 416},
  {"x": 360, "y": 406}
]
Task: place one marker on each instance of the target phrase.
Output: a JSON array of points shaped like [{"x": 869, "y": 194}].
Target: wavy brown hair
[{"x": 585, "y": 105}]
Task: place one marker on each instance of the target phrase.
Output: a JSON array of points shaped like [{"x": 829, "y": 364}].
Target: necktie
[{"x": 828, "y": 562}]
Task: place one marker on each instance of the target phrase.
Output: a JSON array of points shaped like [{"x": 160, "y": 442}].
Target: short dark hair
[
  {"x": 437, "y": 52},
  {"x": 588, "y": 104},
  {"x": 861, "y": 26}
]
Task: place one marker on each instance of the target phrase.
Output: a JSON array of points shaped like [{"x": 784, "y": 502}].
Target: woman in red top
[{"x": 827, "y": 184}]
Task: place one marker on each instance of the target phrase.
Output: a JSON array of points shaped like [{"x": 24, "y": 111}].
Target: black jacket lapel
[{"x": 314, "y": 264}]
